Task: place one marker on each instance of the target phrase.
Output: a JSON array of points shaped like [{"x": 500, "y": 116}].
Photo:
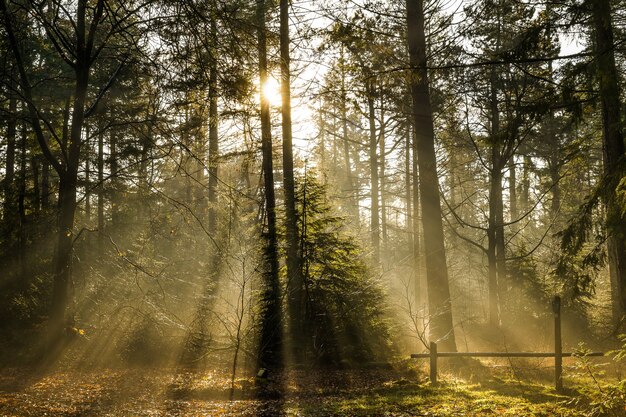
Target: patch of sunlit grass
[{"x": 449, "y": 399}]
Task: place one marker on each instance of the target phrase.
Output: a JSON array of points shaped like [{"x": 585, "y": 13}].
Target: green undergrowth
[{"x": 450, "y": 398}]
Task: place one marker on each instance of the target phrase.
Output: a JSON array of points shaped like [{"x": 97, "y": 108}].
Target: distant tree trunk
[
  {"x": 495, "y": 190},
  {"x": 554, "y": 158},
  {"x": 295, "y": 284},
  {"x": 440, "y": 305},
  {"x": 45, "y": 184},
  {"x": 9, "y": 178},
  {"x": 113, "y": 173},
  {"x": 100, "y": 190},
  {"x": 271, "y": 340},
  {"x": 383, "y": 196},
  {"x": 143, "y": 163},
  {"x": 613, "y": 150},
  {"x": 213, "y": 137},
  {"x": 495, "y": 227},
  {"x": 23, "y": 175},
  {"x": 554, "y": 161},
  {"x": 417, "y": 264},
  {"x": 352, "y": 201},
  {"x": 524, "y": 200},
  {"x": 322, "y": 122},
  {"x": 370, "y": 90},
  {"x": 513, "y": 212},
  {"x": 407, "y": 189},
  {"x": 87, "y": 176},
  {"x": 36, "y": 193},
  {"x": 21, "y": 202}
]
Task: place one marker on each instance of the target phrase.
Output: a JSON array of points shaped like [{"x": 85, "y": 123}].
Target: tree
[
  {"x": 613, "y": 140},
  {"x": 295, "y": 284},
  {"x": 270, "y": 338},
  {"x": 94, "y": 26},
  {"x": 439, "y": 302}
]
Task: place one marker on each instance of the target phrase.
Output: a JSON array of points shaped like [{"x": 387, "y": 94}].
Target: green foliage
[
  {"x": 583, "y": 240},
  {"x": 600, "y": 398},
  {"x": 346, "y": 313}
]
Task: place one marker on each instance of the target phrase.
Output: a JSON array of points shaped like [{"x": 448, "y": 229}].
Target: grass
[{"x": 306, "y": 393}]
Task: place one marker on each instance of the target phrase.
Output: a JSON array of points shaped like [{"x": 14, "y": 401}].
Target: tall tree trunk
[
  {"x": 495, "y": 196},
  {"x": 440, "y": 304},
  {"x": 554, "y": 159},
  {"x": 417, "y": 264},
  {"x": 382, "y": 151},
  {"x": 100, "y": 190},
  {"x": 407, "y": 189},
  {"x": 322, "y": 124},
  {"x": 87, "y": 176},
  {"x": 295, "y": 284},
  {"x": 495, "y": 227},
  {"x": 36, "y": 193},
  {"x": 512, "y": 190},
  {"x": 524, "y": 200},
  {"x": 113, "y": 173},
  {"x": 67, "y": 194},
  {"x": 9, "y": 178},
  {"x": 213, "y": 136},
  {"x": 350, "y": 189},
  {"x": 613, "y": 150},
  {"x": 45, "y": 184},
  {"x": 21, "y": 201},
  {"x": 271, "y": 340},
  {"x": 370, "y": 90}
]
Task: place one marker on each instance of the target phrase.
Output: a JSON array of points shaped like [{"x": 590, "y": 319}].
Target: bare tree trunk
[
  {"x": 370, "y": 89},
  {"x": 495, "y": 193},
  {"x": 554, "y": 159},
  {"x": 512, "y": 189},
  {"x": 352, "y": 201},
  {"x": 113, "y": 168},
  {"x": 213, "y": 137},
  {"x": 21, "y": 201},
  {"x": 383, "y": 196},
  {"x": 495, "y": 232},
  {"x": 295, "y": 284},
  {"x": 100, "y": 190},
  {"x": 45, "y": 184},
  {"x": 36, "y": 193},
  {"x": 87, "y": 175},
  {"x": 271, "y": 340},
  {"x": 440, "y": 304},
  {"x": 322, "y": 124},
  {"x": 407, "y": 188},
  {"x": 613, "y": 150},
  {"x": 9, "y": 177},
  {"x": 417, "y": 264}
]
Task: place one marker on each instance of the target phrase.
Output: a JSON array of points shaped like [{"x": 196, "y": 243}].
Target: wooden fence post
[
  {"x": 558, "y": 346},
  {"x": 433, "y": 363}
]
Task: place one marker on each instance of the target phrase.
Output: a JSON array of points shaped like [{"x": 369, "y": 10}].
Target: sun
[{"x": 271, "y": 91}]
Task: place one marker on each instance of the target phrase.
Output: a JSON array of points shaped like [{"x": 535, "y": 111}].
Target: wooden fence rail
[{"x": 558, "y": 354}]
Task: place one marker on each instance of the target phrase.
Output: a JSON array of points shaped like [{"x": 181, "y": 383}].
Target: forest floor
[{"x": 364, "y": 392}]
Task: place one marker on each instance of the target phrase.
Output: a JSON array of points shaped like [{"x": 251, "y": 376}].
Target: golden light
[{"x": 271, "y": 91}]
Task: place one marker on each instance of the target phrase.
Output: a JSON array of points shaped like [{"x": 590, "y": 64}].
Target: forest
[{"x": 312, "y": 208}]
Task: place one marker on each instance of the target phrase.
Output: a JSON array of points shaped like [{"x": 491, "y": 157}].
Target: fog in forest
[{"x": 263, "y": 207}]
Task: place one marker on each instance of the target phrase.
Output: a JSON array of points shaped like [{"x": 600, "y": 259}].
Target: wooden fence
[{"x": 558, "y": 353}]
